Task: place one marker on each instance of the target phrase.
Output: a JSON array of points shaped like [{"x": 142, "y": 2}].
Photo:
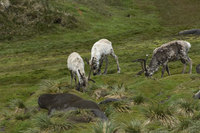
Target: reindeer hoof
[{"x": 104, "y": 73}]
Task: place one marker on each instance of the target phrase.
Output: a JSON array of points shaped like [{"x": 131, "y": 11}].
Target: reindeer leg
[
  {"x": 100, "y": 65},
  {"x": 184, "y": 68},
  {"x": 78, "y": 87},
  {"x": 140, "y": 72},
  {"x": 71, "y": 76},
  {"x": 184, "y": 61},
  {"x": 75, "y": 80},
  {"x": 167, "y": 68},
  {"x": 190, "y": 61},
  {"x": 163, "y": 70},
  {"x": 116, "y": 58},
  {"x": 106, "y": 67}
]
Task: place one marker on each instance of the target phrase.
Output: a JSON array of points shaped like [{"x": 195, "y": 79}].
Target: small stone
[{"x": 198, "y": 68}]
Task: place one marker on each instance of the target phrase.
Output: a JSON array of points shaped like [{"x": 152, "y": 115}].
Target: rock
[
  {"x": 67, "y": 101},
  {"x": 197, "y": 95},
  {"x": 198, "y": 68},
  {"x": 190, "y": 32}
]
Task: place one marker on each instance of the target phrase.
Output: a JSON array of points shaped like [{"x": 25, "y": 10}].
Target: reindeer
[
  {"x": 75, "y": 65},
  {"x": 100, "y": 50},
  {"x": 171, "y": 51}
]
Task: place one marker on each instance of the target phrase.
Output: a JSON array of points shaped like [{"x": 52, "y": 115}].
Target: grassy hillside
[{"x": 33, "y": 65}]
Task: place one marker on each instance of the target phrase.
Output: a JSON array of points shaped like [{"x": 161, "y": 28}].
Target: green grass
[{"x": 30, "y": 66}]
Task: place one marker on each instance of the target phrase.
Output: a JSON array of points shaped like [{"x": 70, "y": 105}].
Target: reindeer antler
[
  {"x": 80, "y": 73},
  {"x": 143, "y": 64}
]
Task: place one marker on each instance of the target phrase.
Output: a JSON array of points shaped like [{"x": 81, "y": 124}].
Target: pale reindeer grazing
[
  {"x": 171, "y": 51},
  {"x": 100, "y": 50},
  {"x": 75, "y": 65}
]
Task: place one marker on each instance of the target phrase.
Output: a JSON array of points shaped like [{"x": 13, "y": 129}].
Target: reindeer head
[
  {"x": 83, "y": 82},
  {"x": 94, "y": 65},
  {"x": 148, "y": 70}
]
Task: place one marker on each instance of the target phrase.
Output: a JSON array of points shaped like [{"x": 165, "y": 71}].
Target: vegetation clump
[
  {"x": 28, "y": 17},
  {"x": 160, "y": 113},
  {"x": 133, "y": 127},
  {"x": 105, "y": 127},
  {"x": 139, "y": 99}
]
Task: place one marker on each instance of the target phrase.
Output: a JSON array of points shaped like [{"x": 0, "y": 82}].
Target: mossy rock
[{"x": 198, "y": 68}]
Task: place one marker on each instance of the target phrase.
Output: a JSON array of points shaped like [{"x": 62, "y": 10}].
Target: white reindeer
[
  {"x": 171, "y": 51},
  {"x": 75, "y": 65},
  {"x": 100, "y": 50}
]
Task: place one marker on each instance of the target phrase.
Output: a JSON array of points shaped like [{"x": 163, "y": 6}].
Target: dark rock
[
  {"x": 197, "y": 95},
  {"x": 190, "y": 32},
  {"x": 67, "y": 101},
  {"x": 198, "y": 68}
]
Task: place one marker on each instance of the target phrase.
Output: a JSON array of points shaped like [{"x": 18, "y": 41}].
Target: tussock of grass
[
  {"x": 121, "y": 106},
  {"x": 50, "y": 86},
  {"x": 186, "y": 107},
  {"x": 105, "y": 127},
  {"x": 184, "y": 124},
  {"x": 139, "y": 99},
  {"x": 109, "y": 110},
  {"x": 22, "y": 116},
  {"x": 43, "y": 121},
  {"x": 160, "y": 113},
  {"x": 17, "y": 103},
  {"x": 160, "y": 130},
  {"x": 133, "y": 126},
  {"x": 59, "y": 124},
  {"x": 76, "y": 116},
  {"x": 26, "y": 18},
  {"x": 117, "y": 91},
  {"x": 31, "y": 130},
  {"x": 194, "y": 128}
]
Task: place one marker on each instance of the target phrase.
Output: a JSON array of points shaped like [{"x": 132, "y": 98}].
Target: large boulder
[{"x": 67, "y": 101}]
